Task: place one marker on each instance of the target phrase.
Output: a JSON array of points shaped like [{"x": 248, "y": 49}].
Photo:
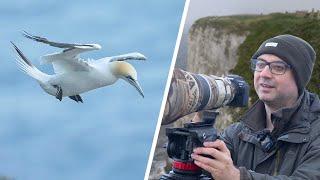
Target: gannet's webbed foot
[
  {"x": 59, "y": 92},
  {"x": 76, "y": 98}
]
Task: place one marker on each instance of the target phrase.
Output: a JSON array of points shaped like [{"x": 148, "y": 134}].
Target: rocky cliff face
[{"x": 212, "y": 51}]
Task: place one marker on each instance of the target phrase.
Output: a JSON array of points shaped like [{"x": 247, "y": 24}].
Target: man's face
[{"x": 274, "y": 90}]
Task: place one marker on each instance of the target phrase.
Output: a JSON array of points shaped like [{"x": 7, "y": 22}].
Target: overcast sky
[{"x": 202, "y": 8}]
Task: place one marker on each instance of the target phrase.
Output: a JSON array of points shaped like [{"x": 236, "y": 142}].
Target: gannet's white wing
[
  {"x": 62, "y": 64},
  {"x": 129, "y": 56},
  {"x": 68, "y": 59}
]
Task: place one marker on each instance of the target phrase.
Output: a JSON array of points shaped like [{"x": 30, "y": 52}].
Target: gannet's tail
[{"x": 28, "y": 68}]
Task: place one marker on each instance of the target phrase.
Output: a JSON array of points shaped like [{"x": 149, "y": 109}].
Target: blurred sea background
[{"x": 109, "y": 136}]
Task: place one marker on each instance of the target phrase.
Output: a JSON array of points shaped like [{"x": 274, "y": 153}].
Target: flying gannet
[{"x": 73, "y": 75}]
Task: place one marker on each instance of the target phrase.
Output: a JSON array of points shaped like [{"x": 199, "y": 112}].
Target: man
[{"x": 278, "y": 138}]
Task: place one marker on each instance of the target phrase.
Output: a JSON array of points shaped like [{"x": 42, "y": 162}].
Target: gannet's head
[{"x": 127, "y": 72}]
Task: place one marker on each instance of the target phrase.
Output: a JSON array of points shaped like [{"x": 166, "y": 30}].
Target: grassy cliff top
[{"x": 231, "y": 24}]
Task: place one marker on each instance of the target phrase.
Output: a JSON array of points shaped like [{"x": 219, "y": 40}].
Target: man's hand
[{"x": 221, "y": 165}]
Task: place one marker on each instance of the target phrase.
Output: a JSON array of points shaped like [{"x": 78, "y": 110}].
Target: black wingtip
[
  {"x": 28, "y": 35},
  {"x": 24, "y": 33},
  {"x": 33, "y": 37},
  {"x": 21, "y": 55},
  {"x": 13, "y": 44}
]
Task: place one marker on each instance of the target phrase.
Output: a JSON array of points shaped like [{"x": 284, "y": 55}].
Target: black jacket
[{"x": 295, "y": 153}]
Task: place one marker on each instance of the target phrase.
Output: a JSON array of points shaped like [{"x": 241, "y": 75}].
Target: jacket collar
[
  {"x": 255, "y": 118},
  {"x": 290, "y": 118}
]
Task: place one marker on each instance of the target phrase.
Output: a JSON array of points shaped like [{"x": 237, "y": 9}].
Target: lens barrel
[{"x": 190, "y": 92}]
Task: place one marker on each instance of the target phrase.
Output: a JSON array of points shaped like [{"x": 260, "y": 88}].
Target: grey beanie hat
[{"x": 293, "y": 50}]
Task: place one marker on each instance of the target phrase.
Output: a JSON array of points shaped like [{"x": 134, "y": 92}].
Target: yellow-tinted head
[
  {"x": 124, "y": 69},
  {"x": 127, "y": 72}
]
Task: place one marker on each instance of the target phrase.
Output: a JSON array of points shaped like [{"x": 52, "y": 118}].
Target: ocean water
[{"x": 109, "y": 136}]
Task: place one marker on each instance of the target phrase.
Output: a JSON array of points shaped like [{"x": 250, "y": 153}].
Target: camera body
[{"x": 182, "y": 141}]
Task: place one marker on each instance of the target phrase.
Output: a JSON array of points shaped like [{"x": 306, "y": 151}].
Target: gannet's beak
[{"x": 135, "y": 84}]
